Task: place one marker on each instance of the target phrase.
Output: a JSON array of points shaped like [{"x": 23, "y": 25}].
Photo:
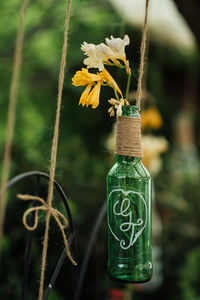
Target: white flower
[
  {"x": 98, "y": 55},
  {"x": 105, "y": 51},
  {"x": 95, "y": 57},
  {"x": 117, "y": 46}
]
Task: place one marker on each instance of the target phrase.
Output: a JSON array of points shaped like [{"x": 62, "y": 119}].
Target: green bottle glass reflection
[{"x": 129, "y": 217}]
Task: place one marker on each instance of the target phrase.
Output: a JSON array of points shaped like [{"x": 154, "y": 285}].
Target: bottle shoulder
[{"x": 134, "y": 169}]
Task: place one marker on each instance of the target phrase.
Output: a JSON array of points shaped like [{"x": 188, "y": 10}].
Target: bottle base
[
  {"x": 127, "y": 281},
  {"x": 124, "y": 271},
  {"x": 124, "y": 279}
]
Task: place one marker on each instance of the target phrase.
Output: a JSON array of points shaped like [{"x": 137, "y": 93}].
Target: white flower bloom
[
  {"x": 92, "y": 62},
  {"x": 105, "y": 51},
  {"x": 95, "y": 57},
  {"x": 117, "y": 46},
  {"x": 98, "y": 55}
]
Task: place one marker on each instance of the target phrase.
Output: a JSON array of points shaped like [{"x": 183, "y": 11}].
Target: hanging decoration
[
  {"x": 129, "y": 196},
  {"x": 129, "y": 183},
  {"x": 129, "y": 205}
]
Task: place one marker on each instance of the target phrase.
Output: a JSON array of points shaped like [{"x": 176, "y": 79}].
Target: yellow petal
[
  {"x": 108, "y": 78},
  {"x": 93, "y": 98},
  {"x": 83, "y": 77},
  {"x": 84, "y": 96}
]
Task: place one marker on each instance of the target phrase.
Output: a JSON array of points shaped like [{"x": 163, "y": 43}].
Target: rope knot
[{"x": 60, "y": 219}]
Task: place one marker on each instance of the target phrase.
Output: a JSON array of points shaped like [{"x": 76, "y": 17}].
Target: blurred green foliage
[{"x": 83, "y": 159}]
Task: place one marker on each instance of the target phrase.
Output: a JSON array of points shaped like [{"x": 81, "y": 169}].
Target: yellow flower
[
  {"x": 84, "y": 97},
  {"x": 151, "y": 118},
  {"x": 83, "y": 77},
  {"x": 91, "y": 97},
  {"x": 110, "y": 81}
]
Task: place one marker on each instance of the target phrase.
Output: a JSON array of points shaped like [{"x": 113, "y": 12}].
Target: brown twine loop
[
  {"x": 128, "y": 139},
  {"x": 142, "y": 51},
  {"x": 12, "y": 113},
  {"x": 54, "y": 149},
  {"x": 55, "y": 214}
]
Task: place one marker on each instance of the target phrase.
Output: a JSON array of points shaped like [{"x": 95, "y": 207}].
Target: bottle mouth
[{"x": 129, "y": 109}]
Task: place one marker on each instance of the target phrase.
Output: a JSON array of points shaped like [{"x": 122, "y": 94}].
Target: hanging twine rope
[
  {"x": 12, "y": 113},
  {"x": 142, "y": 57},
  {"x": 128, "y": 135},
  {"x": 47, "y": 206}
]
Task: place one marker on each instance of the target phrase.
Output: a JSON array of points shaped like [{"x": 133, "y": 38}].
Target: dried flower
[
  {"x": 111, "y": 111},
  {"x": 113, "y": 101},
  {"x": 117, "y": 105}
]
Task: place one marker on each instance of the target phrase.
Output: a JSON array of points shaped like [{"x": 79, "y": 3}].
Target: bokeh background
[{"x": 171, "y": 145}]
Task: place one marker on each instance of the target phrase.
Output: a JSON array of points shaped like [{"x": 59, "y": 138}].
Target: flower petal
[
  {"x": 108, "y": 78},
  {"x": 105, "y": 50},
  {"x": 95, "y": 57},
  {"x": 84, "y": 97},
  {"x": 90, "y": 62},
  {"x": 98, "y": 55},
  {"x": 93, "y": 98},
  {"x": 83, "y": 77},
  {"x": 118, "y": 45}
]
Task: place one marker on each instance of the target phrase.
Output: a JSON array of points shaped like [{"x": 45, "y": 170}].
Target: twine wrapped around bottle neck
[{"x": 128, "y": 136}]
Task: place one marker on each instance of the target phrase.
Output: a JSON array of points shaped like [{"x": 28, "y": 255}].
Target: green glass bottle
[{"x": 129, "y": 217}]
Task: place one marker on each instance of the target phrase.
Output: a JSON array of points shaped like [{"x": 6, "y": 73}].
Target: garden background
[{"x": 84, "y": 155}]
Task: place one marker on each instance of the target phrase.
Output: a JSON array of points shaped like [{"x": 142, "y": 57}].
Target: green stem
[
  {"x": 116, "y": 94},
  {"x": 128, "y": 86},
  {"x": 114, "y": 65}
]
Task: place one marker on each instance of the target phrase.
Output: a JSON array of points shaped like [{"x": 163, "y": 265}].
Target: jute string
[
  {"x": 142, "y": 57},
  {"x": 55, "y": 214},
  {"x": 54, "y": 150},
  {"x": 47, "y": 206},
  {"x": 13, "y": 95},
  {"x": 128, "y": 140}
]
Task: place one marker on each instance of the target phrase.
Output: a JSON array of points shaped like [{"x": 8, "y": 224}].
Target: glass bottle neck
[
  {"x": 130, "y": 111},
  {"x": 126, "y": 159}
]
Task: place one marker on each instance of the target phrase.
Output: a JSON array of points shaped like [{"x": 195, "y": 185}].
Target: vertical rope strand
[
  {"x": 54, "y": 149},
  {"x": 142, "y": 52},
  {"x": 13, "y": 95}
]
